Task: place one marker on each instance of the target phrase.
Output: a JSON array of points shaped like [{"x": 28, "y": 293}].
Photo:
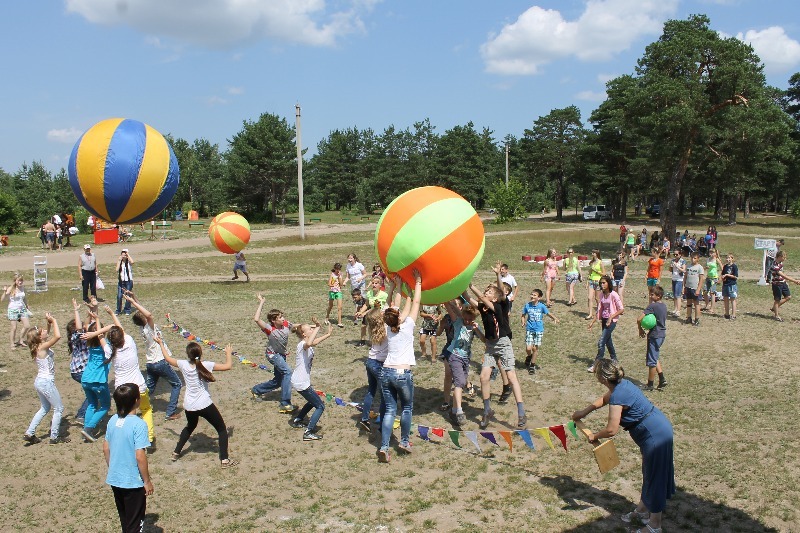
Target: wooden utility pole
[{"x": 301, "y": 218}]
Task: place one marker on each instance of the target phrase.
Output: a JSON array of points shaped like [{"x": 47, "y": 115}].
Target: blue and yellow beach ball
[{"x": 123, "y": 171}]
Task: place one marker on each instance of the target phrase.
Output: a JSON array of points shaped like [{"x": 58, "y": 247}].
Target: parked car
[
  {"x": 653, "y": 210},
  {"x": 596, "y": 212}
]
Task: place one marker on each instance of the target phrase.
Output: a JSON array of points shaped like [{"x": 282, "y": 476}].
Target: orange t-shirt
[{"x": 654, "y": 268}]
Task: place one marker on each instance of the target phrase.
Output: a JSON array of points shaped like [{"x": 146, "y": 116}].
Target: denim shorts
[
  {"x": 730, "y": 291},
  {"x": 594, "y": 284},
  {"x": 618, "y": 283},
  {"x": 779, "y": 291},
  {"x": 571, "y": 278},
  {"x": 711, "y": 284},
  {"x": 677, "y": 288},
  {"x": 652, "y": 282},
  {"x": 653, "y": 351}
]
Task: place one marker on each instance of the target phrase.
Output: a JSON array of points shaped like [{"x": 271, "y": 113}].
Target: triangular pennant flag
[
  {"x": 423, "y": 432},
  {"x": 454, "y": 437},
  {"x": 526, "y": 436},
  {"x": 488, "y": 435},
  {"x": 439, "y": 432},
  {"x": 559, "y": 432},
  {"x": 572, "y": 428},
  {"x": 262, "y": 367},
  {"x": 507, "y": 436},
  {"x": 328, "y": 397},
  {"x": 545, "y": 434},
  {"x": 473, "y": 438},
  {"x": 339, "y": 401}
]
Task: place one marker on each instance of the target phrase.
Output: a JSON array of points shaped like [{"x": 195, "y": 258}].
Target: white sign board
[{"x": 764, "y": 244}]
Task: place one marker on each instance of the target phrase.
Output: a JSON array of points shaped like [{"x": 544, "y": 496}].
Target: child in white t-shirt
[{"x": 301, "y": 377}]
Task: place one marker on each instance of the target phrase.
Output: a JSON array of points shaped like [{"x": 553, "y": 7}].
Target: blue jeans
[
  {"x": 606, "y": 341},
  {"x": 162, "y": 369},
  {"x": 82, "y": 409},
  {"x": 397, "y": 387},
  {"x": 128, "y": 286},
  {"x": 49, "y": 397},
  {"x": 313, "y": 401},
  {"x": 99, "y": 399},
  {"x": 282, "y": 379},
  {"x": 374, "y": 369}
]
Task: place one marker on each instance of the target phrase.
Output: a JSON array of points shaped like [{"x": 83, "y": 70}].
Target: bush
[
  {"x": 81, "y": 216},
  {"x": 11, "y": 216},
  {"x": 509, "y": 202},
  {"x": 794, "y": 209},
  {"x": 185, "y": 208}
]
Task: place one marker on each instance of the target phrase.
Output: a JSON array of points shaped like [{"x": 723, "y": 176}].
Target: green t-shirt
[
  {"x": 571, "y": 265},
  {"x": 596, "y": 270},
  {"x": 631, "y": 239},
  {"x": 711, "y": 269}
]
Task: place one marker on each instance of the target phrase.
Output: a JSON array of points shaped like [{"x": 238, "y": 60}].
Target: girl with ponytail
[
  {"x": 197, "y": 401},
  {"x": 121, "y": 350}
]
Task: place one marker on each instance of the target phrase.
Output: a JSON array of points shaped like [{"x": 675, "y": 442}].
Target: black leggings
[{"x": 212, "y": 416}]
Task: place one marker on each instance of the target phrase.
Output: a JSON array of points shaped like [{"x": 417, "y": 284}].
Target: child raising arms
[
  {"x": 40, "y": 344},
  {"x": 301, "y": 377},
  {"x": 197, "y": 401}
]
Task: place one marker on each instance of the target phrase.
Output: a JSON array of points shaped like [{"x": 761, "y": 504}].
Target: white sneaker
[{"x": 590, "y": 369}]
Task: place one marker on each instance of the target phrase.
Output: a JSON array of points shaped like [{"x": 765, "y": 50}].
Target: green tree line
[{"x": 693, "y": 124}]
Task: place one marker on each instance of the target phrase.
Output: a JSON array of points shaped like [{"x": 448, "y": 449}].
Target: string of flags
[{"x": 425, "y": 431}]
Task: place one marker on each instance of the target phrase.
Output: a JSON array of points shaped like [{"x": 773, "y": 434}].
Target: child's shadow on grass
[
  {"x": 150, "y": 526},
  {"x": 4, "y": 393},
  {"x": 685, "y": 511},
  {"x": 200, "y": 442}
]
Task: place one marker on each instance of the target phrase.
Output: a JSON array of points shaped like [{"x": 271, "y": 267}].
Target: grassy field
[{"x": 733, "y": 387}]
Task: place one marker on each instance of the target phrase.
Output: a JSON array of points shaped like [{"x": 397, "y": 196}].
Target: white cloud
[
  {"x": 235, "y": 90},
  {"x": 66, "y": 136},
  {"x": 222, "y": 23},
  {"x": 591, "y": 96},
  {"x": 215, "y": 100},
  {"x": 605, "y": 28},
  {"x": 778, "y": 51}
]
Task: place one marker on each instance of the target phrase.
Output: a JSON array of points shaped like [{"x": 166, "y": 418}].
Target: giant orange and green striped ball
[
  {"x": 123, "y": 171},
  {"x": 435, "y": 231},
  {"x": 229, "y": 232}
]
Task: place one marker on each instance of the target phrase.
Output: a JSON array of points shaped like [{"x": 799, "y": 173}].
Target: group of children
[{"x": 94, "y": 348}]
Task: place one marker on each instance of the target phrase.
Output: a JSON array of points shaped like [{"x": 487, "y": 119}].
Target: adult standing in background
[
  {"x": 50, "y": 234},
  {"x": 770, "y": 260},
  {"x": 124, "y": 280},
  {"x": 87, "y": 270}
]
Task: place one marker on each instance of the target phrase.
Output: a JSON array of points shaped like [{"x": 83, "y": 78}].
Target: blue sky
[{"x": 198, "y": 68}]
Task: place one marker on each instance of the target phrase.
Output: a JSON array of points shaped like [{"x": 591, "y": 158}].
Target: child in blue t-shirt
[
  {"x": 124, "y": 448},
  {"x": 460, "y": 348},
  {"x": 532, "y": 318}
]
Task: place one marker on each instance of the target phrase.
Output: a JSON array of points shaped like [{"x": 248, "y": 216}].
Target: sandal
[
  {"x": 628, "y": 517},
  {"x": 175, "y": 456},
  {"x": 649, "y": 529},
  {"x": 229, "y": 463},
  {"x": 779, "y": 319}
]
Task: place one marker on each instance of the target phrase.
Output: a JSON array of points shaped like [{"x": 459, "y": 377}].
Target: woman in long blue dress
[{"x": 650, "y": 430}]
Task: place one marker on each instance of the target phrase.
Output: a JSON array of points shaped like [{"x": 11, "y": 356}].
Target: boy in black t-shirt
[{"x": 494, "y": 308}]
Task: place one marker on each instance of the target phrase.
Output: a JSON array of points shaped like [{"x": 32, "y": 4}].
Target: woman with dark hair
[
  {"x": 121, "y": 349},
  {"x": 197, "y": 401},
  {"x": 609, "y": 308},
  {"x": 397, "y": 380},
  {"x": 650, "y": 430}
]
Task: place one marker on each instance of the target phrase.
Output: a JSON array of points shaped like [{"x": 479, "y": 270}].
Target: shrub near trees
[{"x": 694, "y": 123}]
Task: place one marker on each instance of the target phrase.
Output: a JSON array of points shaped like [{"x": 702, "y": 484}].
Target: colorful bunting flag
[
  {"x": 526, "y": 436},
  {"x": 545, "y": 434},
  {"x": 439, "y": 432},
  {"x": 559, "y": 432},
  {"x": 490, "y": 437},
  {"x": 454, "y": 437},
  {"x": 573, "y": 429},
  {"x": 423, "y": 432},
  {"x": 339, "y": 401},
  {"x": 507, "y": 436},
  {"x": 473, "y": 438}
]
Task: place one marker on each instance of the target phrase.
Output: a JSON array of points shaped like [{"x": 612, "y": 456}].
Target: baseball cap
[
  {"x": 125, "y": 250},
  {"x": 87, "y": 246}
]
